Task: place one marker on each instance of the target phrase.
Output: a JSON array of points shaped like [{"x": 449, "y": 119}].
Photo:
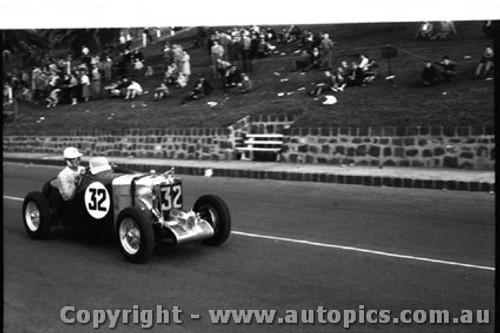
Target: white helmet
[{"x": 71, "y": 153}]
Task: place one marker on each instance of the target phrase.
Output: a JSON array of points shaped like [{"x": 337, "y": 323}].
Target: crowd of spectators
[{"x": 94, "y": 74}]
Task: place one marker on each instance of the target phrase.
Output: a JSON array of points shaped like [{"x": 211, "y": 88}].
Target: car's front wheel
[
  {"x": 212, "y": 209},
  {"x": 135, "y": 234},
  {"x": 36, "y": 215}
]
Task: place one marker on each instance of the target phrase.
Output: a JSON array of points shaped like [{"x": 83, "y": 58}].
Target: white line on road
[
  {"x": 343, "y": 247},
  {"x": 357, "y": 249},
  {"x": 13, "y": 198}
]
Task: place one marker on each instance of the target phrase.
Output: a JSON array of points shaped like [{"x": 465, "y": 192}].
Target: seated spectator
[
  {"x": 303, "y": 61},
  {"x": 447, "y": 29},
  {"x": 366, "y": 66},
  {"x": 231, "y": 78},
  {"x": 449, "y": 71},
  {"x": 430, "y": 75},
  {"x": 315, "y": 60},
  {"x": 171, "y": 74},
  {"x": 222, "y": 67},
  {"x": 181, "y": 81},
  {"x": 134, "y": 90},
  {"x": 264, "y": 48},
  {"x": 118, "y": 88},
  {"x": 201, "y": 88},
  {"x": 245, "y": 85},
  {"x": 53, "y": 98},
  {"x": 424, "y": 31},
  {"x": 25, "y": 93},
  {"x": 487, "y": 62},
  {"x": 161, "y": 92},
  {"x": 356, "y": 76},
  {"x": 340, "y": 79},
  {"x": 327, "y": 83},
  {"x": 149, "y": 71}
]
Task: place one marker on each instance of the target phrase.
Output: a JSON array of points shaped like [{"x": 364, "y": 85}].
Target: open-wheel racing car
[{"x": 142, "y": 209}]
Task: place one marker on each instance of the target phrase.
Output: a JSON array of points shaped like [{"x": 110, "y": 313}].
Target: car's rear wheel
[
  {"x": 135, "y": 234},
  {"x": 213, "y": 209},
  {"x": 36, "y": 215}
]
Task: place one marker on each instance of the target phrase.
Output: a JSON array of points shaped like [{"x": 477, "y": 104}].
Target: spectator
[
  {"x": 356, "y": 76},
  {"x": 65, "y": 89},
  {"x": 235, "y": 49},
  {"x": 171, "y": 74},
  {"x": 85, "y": 86},
  {"x": 25, "y": 93},
  {"x": 224, "y": 41},
  {"x": 107, "y": 67},
  {"x": 168, "y": 56},
  {"x": 134, "y": 90},
  {"x": 327, "y": 83},
  {"x": 222, "y": 68},
  {"x": 232, "y": 78},
  {"x": 264, "y": 48},
  {"x": 487, "y": 62},
  {"x": 185, "y": 65},
  {"x": 366, "y": 65},
  {"x": 95, "y": 82},
  {"x": 449, "y": 71},
  {"x": 246, "y": 55},
  {"x": 53, "y": 98},
  {"x": 8, "y": 95},
  {"x": 326, "y": 49},
  {"x": 201, "y": 88},
  {"x": 303, "y": 61},
  {"x": 138, "y": 66},
  {"x": 447, "y": 29},
  {"x": 430, "y": 75},
  {"x": 340, "y": 79},
  {"x": 73, "y": 88},
  {"x": 424, "y": 31},
  {"x": 216, "y": 53},
  {"x": 118, "y": 88},
  {"x": 315, "y": 59},
  {"x": 161, "y": 91},
  {"x": 177, "y": 54},
  {"x": 181, "y": 81},
  {"x": 149, "y": 71},
  {"x": 245, "y": 85}
]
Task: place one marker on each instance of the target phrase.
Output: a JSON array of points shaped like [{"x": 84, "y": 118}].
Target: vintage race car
[{"x": 142, "y": 209}]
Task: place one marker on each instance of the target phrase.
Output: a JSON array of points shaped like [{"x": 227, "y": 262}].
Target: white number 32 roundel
[{"x": 97, "y": 200}]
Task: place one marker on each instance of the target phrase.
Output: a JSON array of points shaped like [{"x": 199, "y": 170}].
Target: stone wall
[
  {"x": 469, "y": 147},
  {"x": 200, "y": 143}
]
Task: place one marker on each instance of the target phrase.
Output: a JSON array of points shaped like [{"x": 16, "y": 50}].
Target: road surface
[{"x": 294, "y": 246}]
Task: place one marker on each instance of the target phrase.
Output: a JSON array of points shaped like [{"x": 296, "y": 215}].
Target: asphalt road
[{"x": 295, "y": 246}]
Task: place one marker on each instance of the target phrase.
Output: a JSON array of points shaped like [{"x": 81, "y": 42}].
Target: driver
[{"x": 70, "y": 176}]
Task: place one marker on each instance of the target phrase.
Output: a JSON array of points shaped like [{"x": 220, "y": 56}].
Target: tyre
[
  {"x": 135, "y": 234},
  {"x": 36, "y": 215},
  {"x": 212, "y": 209}
]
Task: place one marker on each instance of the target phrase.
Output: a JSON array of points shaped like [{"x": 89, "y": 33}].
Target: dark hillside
[{"x": 464, "y": 101}]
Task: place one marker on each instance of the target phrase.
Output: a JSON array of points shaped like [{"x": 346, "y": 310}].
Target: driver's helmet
[
  {"x": 71, "y": 153},
  {"x": 99, "y": 164}
]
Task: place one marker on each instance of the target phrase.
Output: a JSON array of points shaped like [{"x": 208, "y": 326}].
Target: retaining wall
[{"x": 470, "y": 147}]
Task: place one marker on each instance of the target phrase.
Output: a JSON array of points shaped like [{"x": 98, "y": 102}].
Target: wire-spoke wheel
[
  {"x": 135, "y": 234},
  {"x": 36, "y": 215}
]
